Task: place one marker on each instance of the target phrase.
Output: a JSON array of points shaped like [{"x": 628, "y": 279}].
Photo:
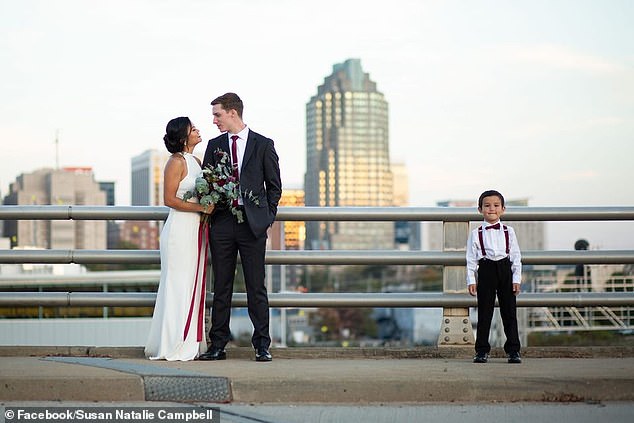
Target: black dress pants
[
  {"x": 227, "y": 239},
  {"x": 496, "y": 278}
]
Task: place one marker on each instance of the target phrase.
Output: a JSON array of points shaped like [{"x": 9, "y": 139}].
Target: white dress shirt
[
  {"x": 242, "y": 145},
  {"x": 495, "y": 247}
]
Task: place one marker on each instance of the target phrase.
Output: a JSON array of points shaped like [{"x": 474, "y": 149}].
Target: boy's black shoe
[
  {"x": 481, "y": 358},
  {"x": 515, "y": 358},
  {"x": 262, "y": 354}
]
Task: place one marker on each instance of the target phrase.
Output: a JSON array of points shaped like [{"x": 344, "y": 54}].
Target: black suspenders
[{"x": 506, "y": 238}]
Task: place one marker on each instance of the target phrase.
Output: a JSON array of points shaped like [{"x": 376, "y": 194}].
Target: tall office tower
[
  {"x": 147, "y": 178},
  {"x": 347, "y": 158},
  {"x": 66, "y": 186}
]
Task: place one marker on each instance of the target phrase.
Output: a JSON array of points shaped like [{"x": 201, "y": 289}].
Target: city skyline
[{"x": 547, "y": 87}]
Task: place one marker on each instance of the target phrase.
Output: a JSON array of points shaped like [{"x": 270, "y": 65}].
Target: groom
[{"x": 255, "y": 161}]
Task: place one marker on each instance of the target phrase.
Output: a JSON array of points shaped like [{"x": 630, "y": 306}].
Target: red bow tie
[{"x": 496, "y": 226}]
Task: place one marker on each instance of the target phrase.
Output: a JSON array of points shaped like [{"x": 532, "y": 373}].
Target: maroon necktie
[
  {"x": 234, "y": 161},
  {"x": 496, "y": 226}
]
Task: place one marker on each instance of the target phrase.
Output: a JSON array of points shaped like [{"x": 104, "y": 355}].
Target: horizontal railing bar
[
  {"x": 290, "y": 300},
  {"x": 124, "y": 277},
  {"x": 451, "y": 214},
  {"x": 92, "y": 279},
  {"x": 17, "y": 256},
  {"x": 320, "y": 257},
  {"x": 83, "y": 212},
  {"x": 447, "y": 214}
]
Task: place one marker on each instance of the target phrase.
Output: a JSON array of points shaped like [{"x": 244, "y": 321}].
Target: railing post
[{"x": 455, "y": 328}]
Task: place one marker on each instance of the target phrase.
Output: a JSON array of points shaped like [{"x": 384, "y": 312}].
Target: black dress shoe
[
  {"x": 515, "y": 358},
  {"x": 213, "y": 354},
  {"x": 481, "y": 358},
  {"x": 262, "y": 354}
]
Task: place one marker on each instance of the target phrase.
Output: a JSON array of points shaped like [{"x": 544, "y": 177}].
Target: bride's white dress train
[{"x": 179, "y": 257}]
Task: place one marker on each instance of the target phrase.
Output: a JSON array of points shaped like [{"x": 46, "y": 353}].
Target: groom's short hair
[{"x": 230, "y": 101}]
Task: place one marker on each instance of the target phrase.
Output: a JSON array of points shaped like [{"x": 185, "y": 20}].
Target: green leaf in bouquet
[
  {"x": 206, "y": 200},
  {"x": 201, "y": 185}
]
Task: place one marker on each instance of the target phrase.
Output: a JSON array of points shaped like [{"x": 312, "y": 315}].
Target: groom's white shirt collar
[{"x": 244, "y": 134}]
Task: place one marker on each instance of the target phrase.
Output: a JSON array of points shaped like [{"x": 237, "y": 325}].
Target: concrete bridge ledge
[{"x": 319, "y": 375}]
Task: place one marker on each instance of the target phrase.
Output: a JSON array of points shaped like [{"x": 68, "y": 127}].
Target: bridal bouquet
[{"x": 219, "y": 187}]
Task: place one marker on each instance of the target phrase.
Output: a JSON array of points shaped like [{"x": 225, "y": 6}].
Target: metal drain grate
[{"x": 175, "y": 388}]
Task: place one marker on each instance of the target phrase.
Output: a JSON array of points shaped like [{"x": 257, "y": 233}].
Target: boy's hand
[
  {"x": 472, "y": 290},
  {"x": 516, "y": 289}
]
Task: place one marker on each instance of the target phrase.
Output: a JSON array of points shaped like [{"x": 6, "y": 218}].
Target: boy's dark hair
[
  {"x": 229, "y": 101},
  {"x": 490, "y": 193}
]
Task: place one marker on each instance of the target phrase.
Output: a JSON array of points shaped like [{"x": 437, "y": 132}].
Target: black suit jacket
[{"x": 259, "y": 174}]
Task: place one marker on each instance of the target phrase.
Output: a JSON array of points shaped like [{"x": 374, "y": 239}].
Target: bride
[{"x": 178, "y": 318}]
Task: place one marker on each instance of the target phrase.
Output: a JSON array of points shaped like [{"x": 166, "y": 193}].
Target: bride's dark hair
[{"x": 176, "y": 133}]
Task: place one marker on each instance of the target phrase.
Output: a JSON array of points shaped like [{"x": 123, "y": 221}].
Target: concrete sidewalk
[{"x": 316, "y": 375}]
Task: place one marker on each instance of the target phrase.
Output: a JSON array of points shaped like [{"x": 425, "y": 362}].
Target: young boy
[{"x": 494, "y": 267}]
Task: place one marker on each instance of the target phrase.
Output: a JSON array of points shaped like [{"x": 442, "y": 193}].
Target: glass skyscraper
[{"x": 348, "y": 162}]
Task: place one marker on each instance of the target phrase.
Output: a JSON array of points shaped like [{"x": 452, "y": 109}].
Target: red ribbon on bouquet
[{"x": 203, "y": 246}]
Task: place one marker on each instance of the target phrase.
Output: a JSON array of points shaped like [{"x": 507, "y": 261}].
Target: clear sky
[{"x": 534, "y": 98}]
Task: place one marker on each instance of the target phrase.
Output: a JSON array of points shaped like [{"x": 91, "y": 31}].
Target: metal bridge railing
[
  {"x": 336, "y": 300},
  {"x": 455, "y": 327},
  {"x": 431, "y": 214}
]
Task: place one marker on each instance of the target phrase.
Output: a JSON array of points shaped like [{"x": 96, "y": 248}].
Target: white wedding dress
[{"x": 174, "y": 306}]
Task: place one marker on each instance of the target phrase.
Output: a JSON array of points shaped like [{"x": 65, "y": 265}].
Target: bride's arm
[{"x": 175, "y": 171}]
